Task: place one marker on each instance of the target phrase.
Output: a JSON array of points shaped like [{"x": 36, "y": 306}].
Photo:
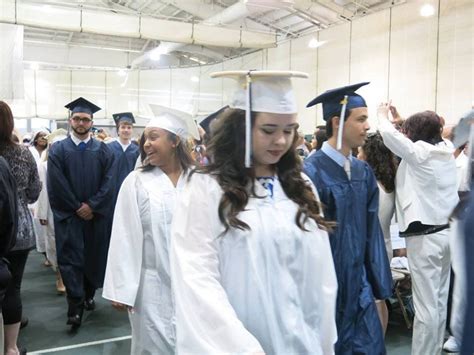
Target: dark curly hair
[
  {"x": 226, "y": 149},
  {"x": 423, "y": 126},
  {"x": 381, "y": 160}
]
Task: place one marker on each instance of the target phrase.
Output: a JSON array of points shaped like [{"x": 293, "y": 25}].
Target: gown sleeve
[
  {"x": 42, "y": 203},
  {"x": 122, "y": 275},
  {"x": 100, "y": 202},
  {"x": 401, "y": 145},
  {"x": 206, "y": 323},
  {"x": 327, "y": 283},
  {"x": 376, "y": 259},
  {"x": 61, "y": 197}
]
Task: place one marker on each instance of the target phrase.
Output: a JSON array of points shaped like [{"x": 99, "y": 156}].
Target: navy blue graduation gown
[
  {"x": 468, "y": 334},
  {"x": 76, "y": 176},
  {"x": 124, "y": 163},
  {"x": 358, "y": 249}
]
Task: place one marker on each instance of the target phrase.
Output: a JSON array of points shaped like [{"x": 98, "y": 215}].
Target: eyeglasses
[{"x": 81, "y": 119}]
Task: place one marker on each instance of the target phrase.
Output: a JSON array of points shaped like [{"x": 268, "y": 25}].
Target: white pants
[
  {"x": 429, "y": 260},
  {"x": 458, "y": 304}
]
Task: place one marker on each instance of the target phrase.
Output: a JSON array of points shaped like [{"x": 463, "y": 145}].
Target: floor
[{"x": 105, "y": 330}]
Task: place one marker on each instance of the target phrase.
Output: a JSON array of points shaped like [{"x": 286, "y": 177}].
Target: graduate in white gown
[
  {"x": 43, "y": 211},
  {"x": 137, "y": 276},
  {"x": 251, "y": 265}
]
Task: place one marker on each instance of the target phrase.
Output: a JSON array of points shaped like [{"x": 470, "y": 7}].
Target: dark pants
[{"x": 12, "y": 307}]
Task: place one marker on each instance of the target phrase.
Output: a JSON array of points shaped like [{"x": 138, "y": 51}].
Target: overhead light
[
  {"x": 155, "y": 54},
  {"x": 34, "y": 66},
  {"x": 195, "y": 79},
  {"x": 427, "y": 10},
  {"x": 122, "y": 72},
  {"x": 314, "y": 43}
]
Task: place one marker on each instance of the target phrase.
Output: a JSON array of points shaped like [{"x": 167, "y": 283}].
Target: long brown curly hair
[
  {"x": 381, "y": 160},
  {"x": 226, "y": 149}
]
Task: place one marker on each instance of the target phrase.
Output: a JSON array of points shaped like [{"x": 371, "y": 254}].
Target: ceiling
[{"x": 286, "y": 19}]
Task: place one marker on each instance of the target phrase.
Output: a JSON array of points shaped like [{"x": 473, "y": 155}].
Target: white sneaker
[{"x": 452, "y": 345}]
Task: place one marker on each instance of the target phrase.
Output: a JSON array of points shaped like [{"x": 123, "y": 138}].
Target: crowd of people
[{"x": 239, "y": 236}]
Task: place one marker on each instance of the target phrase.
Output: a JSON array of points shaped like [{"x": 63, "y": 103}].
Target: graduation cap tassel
[
  {"x": 341, "y": 123},
  {"x": 248, "y": 124}
]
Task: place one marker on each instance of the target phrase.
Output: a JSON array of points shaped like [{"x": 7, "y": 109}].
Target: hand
[
  {"x": 120, "y": 306},
  {"x": 382, "y": 110},
  {"x": 43, "y": 222},
  {"x": 85, "y": 212},
  {"x": 396, "y": 118}
]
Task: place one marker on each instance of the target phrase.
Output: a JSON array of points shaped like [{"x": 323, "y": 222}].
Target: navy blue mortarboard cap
[
  {"x": 206, "y": 122},
  {"x": 82, "y": 105},
  {"x": 332, "y": 100},
  {"x": 123, "y": 117}
]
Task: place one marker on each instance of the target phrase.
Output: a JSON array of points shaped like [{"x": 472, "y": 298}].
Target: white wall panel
[
  {"x": 278, "y": 58},
  {"x": 253, "y": 61},
  {"x": 184, "y": 91},
  {"x": 122, "y": 92},
  {"x": 304, "y": 59},
  {"x": 154, "y": 88},
  {"x": 413, "y": 59},
  {"x": 333, "y": 57},
  {"x": 53, "y": 91},
  {"x": 91, "y": 86},
  {"x": 369, "y": 58},
  {"x": 229, "y": 85},
  {"x": 455, "y": 93},
  {"x": 22, "y": 108},
  {"x": 210, "y": 90}
]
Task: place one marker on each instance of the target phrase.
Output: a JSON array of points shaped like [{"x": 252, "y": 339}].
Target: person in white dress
[
  {"x": 137, "y": 276},
  {"x": 251, "y": 264},
  {"x": 38, "y": 145},
  {"x": 44, "y": 213}
]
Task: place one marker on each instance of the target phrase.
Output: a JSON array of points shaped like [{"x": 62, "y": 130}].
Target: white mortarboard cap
[
  {"x": 262, "y": 91},
  {"x": 57, "y": 135},
  {"x": 271, "y": 90},
  {"x": 175, "y": 121}
]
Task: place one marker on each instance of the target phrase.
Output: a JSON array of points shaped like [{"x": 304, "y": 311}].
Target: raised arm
[{"x": 396, "y": 141}]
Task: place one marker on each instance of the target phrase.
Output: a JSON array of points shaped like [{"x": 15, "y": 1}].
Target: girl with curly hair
[
  {"x": 384, "y": 164},
  {"x": 251, "y": 263}
]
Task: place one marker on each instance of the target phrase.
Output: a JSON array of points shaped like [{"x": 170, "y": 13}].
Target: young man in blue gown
[
  {"x": 80, "y": 192},
  {"x": 348, "y": 191}
]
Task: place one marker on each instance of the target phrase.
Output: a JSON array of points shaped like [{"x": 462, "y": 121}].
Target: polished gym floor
[{"x": 105, "y": 330}]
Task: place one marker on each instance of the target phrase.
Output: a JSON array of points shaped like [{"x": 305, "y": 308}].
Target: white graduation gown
[
  {"x": 270, "y": 289},
  {"x": 43, "y": 211},
  {"x": 137, "y": 271}
]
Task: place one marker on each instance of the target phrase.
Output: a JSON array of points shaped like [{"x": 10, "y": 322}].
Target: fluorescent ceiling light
[
  {"x": 427, "y": 10},
  {"x": 195, "y": 79},
  {"x": 314, "y": 43},
  {"x": 122, "y": 72},
  {"x": 155, "y": 54}
]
